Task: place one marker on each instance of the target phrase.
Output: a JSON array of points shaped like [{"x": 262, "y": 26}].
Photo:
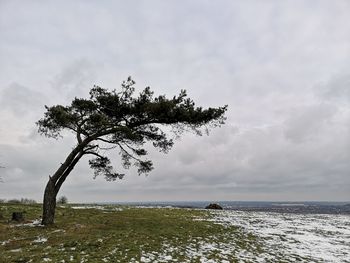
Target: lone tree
[
  {"x": 119, "y": 120},
  {"x": 62, "y": 200}
]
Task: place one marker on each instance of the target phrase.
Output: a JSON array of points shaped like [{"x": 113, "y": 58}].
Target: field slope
[{"x": 133, "y": 234}]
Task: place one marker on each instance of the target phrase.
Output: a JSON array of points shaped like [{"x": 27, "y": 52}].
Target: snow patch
[
  {"x": 3, "y": 243},
  {"x": 320, "y": 238},
  {"x": 99, "y": 207},
  {"x": 34, "y": 223},
  {"x": 40, "y": 240},
  {"x": 16, "y": 250}
]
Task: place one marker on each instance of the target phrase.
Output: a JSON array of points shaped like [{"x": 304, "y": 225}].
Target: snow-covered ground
[
  {"x": 295, "y": 237},
  {"x": 248, "y": 237},
  {"x": 280, "y": 238},
  {"x": 99, "y": 207}
]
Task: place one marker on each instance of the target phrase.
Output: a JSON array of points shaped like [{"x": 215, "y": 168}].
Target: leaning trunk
[
  {"x": 54, "y": 184},
  {"x": 49, "y": 204}
]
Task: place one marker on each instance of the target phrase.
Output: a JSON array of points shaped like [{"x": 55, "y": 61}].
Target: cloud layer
[{"x": 281, "y": 66}]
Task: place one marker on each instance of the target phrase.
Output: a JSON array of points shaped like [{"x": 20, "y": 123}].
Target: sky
[{"x": 282, "y": 67}]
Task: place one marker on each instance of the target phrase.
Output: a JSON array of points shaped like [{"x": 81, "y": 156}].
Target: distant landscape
[{"x": 307, "y": 207}]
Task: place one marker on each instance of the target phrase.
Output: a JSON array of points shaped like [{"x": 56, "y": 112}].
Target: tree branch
[
  {"x": 90, "y": 147},
  {"x": 94, "y": 153},
  {"x": 106, "y": 141},
  {"x": 79, "y": 136},
  {"x": 63, "y": 177},
  {"x": 129, "y": 154}
]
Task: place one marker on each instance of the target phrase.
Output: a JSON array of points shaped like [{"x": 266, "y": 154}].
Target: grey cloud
[
  {"x": 259, "y": 160},
  {"x": 189, "y": 156},
  {"x": 222, "y": 135},
  {"x": 286, "y": 136},
  {"x": 31, "y": 137},
  {"x": 193, "y": 149},
  {"x": 306, "y": 123},
  {"x": 337, "y": 88},
  {"x": 21, "y": 100},
  {"x": 75, "y": 79}
]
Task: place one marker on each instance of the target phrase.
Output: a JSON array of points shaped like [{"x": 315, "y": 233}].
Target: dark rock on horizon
[{"x": 214, "y": 206}]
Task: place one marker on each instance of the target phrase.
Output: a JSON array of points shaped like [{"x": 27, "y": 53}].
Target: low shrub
[{"x": 62, "y": 200}]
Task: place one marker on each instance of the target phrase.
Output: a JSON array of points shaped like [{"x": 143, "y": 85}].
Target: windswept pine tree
[{"x": 120, "y": 121}]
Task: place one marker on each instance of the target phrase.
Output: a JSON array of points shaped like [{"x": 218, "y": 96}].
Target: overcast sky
[{"x": 283, "y": 67}]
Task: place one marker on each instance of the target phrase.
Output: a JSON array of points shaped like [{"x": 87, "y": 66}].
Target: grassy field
[{"x": 121, "y": 234}]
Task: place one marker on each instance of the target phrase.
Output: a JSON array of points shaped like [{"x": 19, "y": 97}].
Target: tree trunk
[
  {"x": 54, "y": 184},
  {"x": 49, "y": 204}
]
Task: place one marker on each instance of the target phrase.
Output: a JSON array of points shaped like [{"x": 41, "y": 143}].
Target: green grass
[{"x": 130, "y": 235}]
